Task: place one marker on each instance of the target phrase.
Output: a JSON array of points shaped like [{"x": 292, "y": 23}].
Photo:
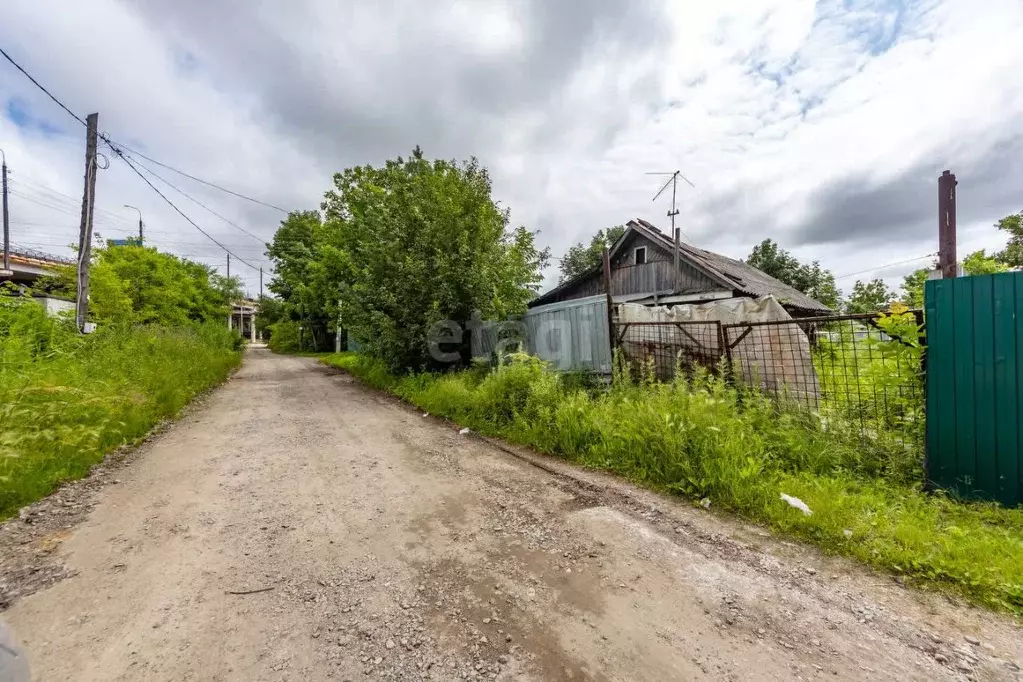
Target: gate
[{"x": 974, "y": 380}]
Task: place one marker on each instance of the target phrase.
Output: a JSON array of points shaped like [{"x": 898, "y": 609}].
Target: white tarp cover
[{"x": 775, "y": 358}]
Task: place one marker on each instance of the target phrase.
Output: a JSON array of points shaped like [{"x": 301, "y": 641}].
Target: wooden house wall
[{"x": 654, "y": 276}]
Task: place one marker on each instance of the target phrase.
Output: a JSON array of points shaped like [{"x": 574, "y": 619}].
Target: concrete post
[{"x": 252, "y": 328}]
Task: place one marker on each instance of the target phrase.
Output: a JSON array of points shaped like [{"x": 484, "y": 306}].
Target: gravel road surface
[{"x": 296, "y": 525}]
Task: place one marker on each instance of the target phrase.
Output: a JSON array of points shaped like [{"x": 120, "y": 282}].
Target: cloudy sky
[{"x": 823, "y": 126}]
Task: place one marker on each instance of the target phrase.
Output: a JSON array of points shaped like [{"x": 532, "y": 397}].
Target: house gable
[{"x": 700, "y": 272}]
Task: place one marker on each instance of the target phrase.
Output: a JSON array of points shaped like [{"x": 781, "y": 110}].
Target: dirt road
[{"x": 299, "y": 526}]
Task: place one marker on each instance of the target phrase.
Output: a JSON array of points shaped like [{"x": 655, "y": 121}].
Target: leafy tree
[
  {"x": 979, "y": 263},
  {"x": 1012, "y": 254},
  {"x": 580, "y": 258},
  {"x": 976, "y": 263},
  {"x": 416, "y": 242},
  {"x": 913, "y": 287},
  {"x": 307, "y": 290},
  {"x": 869, "y": 297},
  {"x": 812, "y": 280},
  {"x": 140, "y": 285}
]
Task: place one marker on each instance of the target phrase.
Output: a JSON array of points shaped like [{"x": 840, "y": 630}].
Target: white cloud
[{"x": 823, "y": 126}]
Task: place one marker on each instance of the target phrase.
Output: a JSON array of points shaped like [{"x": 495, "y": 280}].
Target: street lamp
[{"x": 140, "y": 221}]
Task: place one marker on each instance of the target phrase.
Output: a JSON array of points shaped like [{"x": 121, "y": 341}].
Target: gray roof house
[{"x": 642, "y": 271}]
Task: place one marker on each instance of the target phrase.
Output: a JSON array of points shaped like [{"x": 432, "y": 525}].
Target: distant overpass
[
  {"x": 243, "y": 318},
  {"x": 28, "y": 265}
]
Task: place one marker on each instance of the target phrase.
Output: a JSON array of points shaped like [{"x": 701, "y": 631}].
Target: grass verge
[
  {"x": 67, "y": 400},
  {"x": 699, "y": 438}
]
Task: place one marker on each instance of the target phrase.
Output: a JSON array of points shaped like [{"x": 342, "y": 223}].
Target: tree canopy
[
  {"x": 141, "y": 285},
  {"x": 1012, "y": 254},
  {"x": 975, "y": 263},
  {"x": 811, "y": 279},
  {"x": 401, "y": 247},
  {"x": 869, "y": 297},
  {"x": 581, "y": 257}
]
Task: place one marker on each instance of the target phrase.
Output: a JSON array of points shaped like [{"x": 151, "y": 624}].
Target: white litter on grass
[
  {"x": 426, "y": 414},
  {"x": 705, "y": 503},
  {"x": 847, "y": 533},
  {"x": 797, "y": 503},
  {"x": 463, "y": 432}
]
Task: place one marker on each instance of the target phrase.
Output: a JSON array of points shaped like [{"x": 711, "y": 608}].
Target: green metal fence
[{"x": 974, "y": 385}]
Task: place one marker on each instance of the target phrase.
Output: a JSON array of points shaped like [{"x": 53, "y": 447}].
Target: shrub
[{"x": 284, "y": 337}]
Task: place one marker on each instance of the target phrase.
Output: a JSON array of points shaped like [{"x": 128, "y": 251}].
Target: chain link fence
[{"x": 855, "y": 367}]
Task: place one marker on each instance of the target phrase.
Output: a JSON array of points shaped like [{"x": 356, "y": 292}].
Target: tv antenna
[{"x": 673, "y": 181}]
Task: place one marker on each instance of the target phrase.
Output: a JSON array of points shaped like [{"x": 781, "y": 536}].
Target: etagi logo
[{"x": 565, "y": 342}]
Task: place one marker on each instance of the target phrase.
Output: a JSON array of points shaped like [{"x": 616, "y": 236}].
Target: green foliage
[
  {"x": 913, "y": 287},
  {"x": 286, "y": 337},
  {"x": 812, "y": 280},
  {"x": 67, "y": 399},
  {"x": 700, "y": 438},
  {"x": 138, "y": 284},
  {"x": 979, "y": 263},
  {"x": 976, "y": 263},
  {"x": 420, "y": 241},
  {"x": 869, "y": 297},
  {"x": 1012, "y": 254},
  {"x": 306, "y": 284},
  {"x": 271, "y": 311},
  {"x": 580, "y": 257}
]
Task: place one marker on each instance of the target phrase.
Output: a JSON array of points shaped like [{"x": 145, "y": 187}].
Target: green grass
[
  {"x": 699, "y": 438},
  {"x": 67, "y": 400}
]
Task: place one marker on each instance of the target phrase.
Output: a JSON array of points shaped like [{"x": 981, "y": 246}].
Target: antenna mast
[{"x": 673, "y": 181}]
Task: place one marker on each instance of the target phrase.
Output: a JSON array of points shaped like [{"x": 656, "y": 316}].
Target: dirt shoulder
[{"x": 384, "y": 544}]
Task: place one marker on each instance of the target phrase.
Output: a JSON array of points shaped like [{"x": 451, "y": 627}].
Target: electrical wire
[
  {"x": 114, "y": 147},
  {"x": 136, "y": 152},
  {"x": 43, "y": 190},
  {"x": 205, "y": 182},
  {"x": 886, "y": 265},
  {"x": 38, "y": 85},
  {"x": 194, "y": 200},
  {"x": 170, "y": 203}
]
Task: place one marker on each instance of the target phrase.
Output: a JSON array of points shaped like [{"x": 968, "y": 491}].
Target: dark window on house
[{"x": 640, "y": 255}]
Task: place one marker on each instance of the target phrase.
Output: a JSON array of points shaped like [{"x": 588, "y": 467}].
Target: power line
[
  {"x": 133, "y": 151},
  {"x": 37, "y": 84},
  {"x": 43, "y": 190},
  {"x": 170, "y": 203},
  {"x": 192, "y": 177},
  {"x": 887, "y": 265},
  {"x": 193, "y": 199}
]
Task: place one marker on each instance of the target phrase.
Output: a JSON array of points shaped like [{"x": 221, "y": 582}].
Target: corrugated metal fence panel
[
  {"x": 353, "y": 344},
  {"x": 974, "y": 374},
  {"x": 572, "y": 335}
]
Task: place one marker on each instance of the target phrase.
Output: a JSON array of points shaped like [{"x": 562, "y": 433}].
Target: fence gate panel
[{"x": 974, "y": 374}]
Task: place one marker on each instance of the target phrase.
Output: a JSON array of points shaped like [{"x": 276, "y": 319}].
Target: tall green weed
[
  {"x": 66, "y": 399},
  {"x": 701, "y": 438}
]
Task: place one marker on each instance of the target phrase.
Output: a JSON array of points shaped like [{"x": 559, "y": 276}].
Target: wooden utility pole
[
  {"x": 229, "y": 265},
  {"x": 678, "y": 273},
  {"x": 7, "y": 226},
  {"x": 947, "y": 225},
  {"x": 261, "y": 283},
  {"x": 85, "y": 231},
  {"x": 612, "y": 337}
]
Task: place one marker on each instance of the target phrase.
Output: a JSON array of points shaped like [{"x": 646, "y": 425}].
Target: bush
[
  {"x": 700, "y": 438},
  {"x": 66, "y": 399},
  {"x": 284, "y": 337}
]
